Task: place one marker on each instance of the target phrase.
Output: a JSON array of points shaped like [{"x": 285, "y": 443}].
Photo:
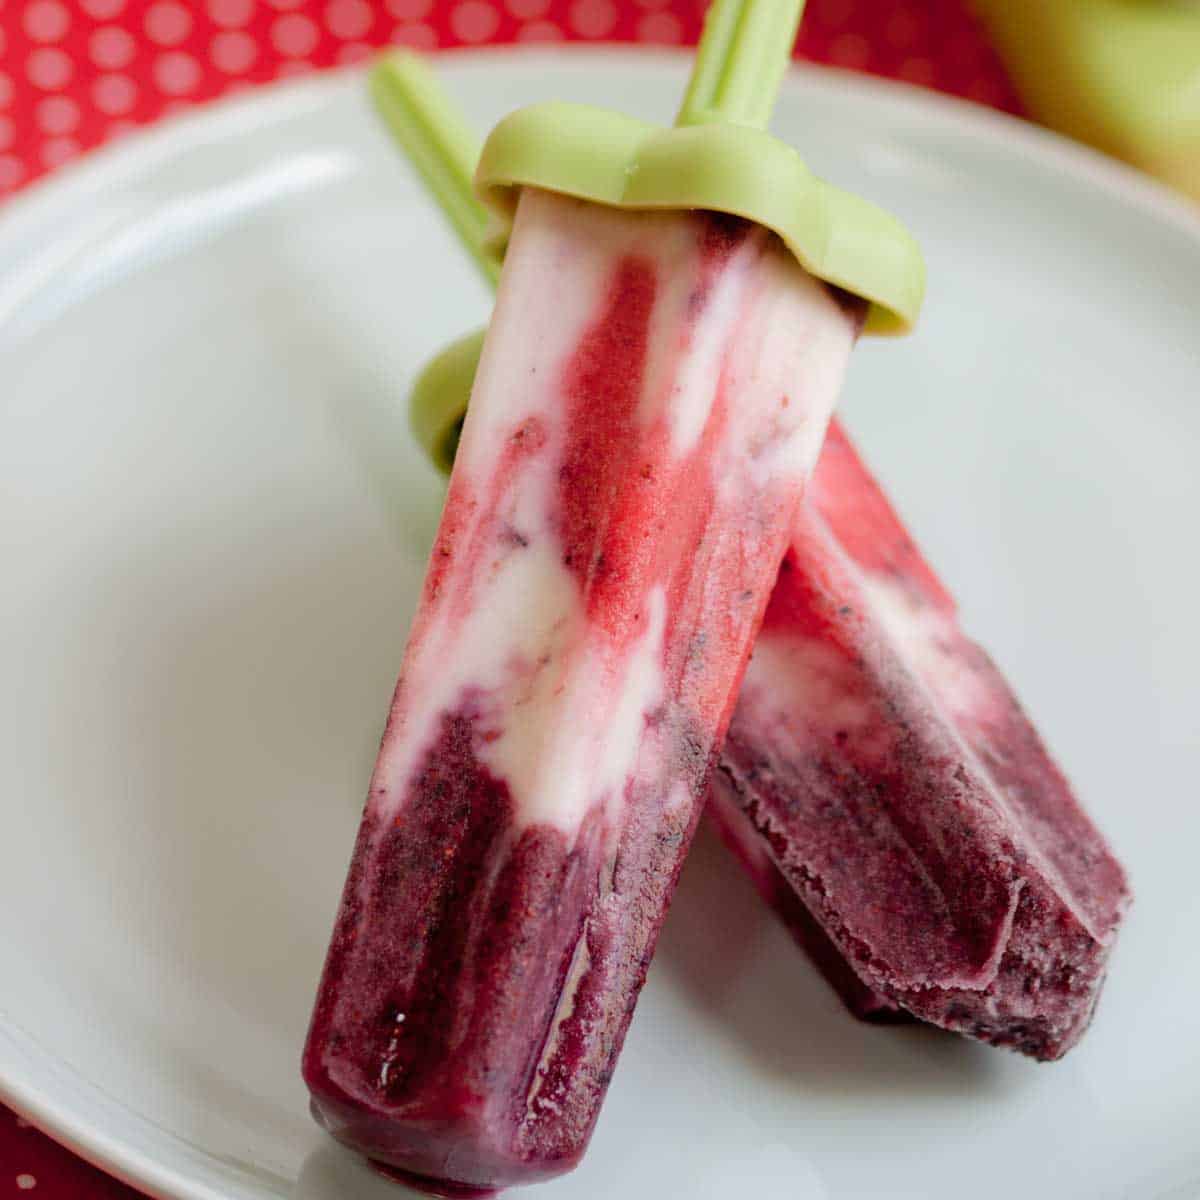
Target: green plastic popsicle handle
[
  {"x": 612, "y": 159},
  {"x": 439, "y": 142},
  {"x": 718, "y": 157},
  {"x": 740, "y": 62},
  {"x": 438, "y": 402}
]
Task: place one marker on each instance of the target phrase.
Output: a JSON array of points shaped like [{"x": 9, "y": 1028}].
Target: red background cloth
[{"x": 75, "y": 73}]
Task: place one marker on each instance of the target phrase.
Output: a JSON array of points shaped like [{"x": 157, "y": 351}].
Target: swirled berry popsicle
[
  {"x": 652, "y": 394},
  {"x": 651, "y": 398},
  {"x": 906, "y": 796}
]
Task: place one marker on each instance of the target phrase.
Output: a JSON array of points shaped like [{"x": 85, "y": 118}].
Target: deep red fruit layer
[
  {"x": 864, "y": 1001},
  {"x": 931, "y": 836}
]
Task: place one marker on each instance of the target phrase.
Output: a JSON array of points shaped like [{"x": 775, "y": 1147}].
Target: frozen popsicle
[
  {"x": 905, "y": 794},
  {"x": 651, "y": 397},
  {"x": 1034, "y": 982}
]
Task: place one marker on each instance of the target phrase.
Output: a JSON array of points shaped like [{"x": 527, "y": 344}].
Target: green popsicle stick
[
  {"x": 438, "y": 402},
  {"x": 740, "y": 62},
  {"x": 439, "y": 142},
  {"x": 612, "y": 159},
  {"x": 718, "y": 157}
]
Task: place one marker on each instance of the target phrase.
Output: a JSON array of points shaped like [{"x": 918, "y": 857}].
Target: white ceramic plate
[{"x": 213, "y": 529}]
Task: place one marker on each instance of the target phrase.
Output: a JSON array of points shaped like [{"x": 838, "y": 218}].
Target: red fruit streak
[{"x": 868, "y": 529}]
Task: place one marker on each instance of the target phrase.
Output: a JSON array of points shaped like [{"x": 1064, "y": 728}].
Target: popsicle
[
  {"x": 859, "y": 624},
  {"x": 905, "y": 794},
  {"x": 651, "y": 397}
]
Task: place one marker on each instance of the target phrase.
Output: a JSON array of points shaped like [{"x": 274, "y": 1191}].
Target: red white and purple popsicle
[{"x": 650, "y": 402}]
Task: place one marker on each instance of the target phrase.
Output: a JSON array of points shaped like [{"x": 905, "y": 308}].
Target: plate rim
[{"x": 128, "y": 157}]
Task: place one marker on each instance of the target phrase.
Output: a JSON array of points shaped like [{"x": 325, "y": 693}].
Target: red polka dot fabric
[{"x": 76, "y": 74}]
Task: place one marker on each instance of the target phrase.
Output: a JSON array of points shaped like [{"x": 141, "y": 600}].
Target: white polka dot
[
  {"x": 46, "y": 20},
  {"x": 233, "y": 52},
  {"x": 176, "y": 73},
  {"x": 349, "y": 19},
  {"x": 353, "y": 52},
  {"x": 25, "y": 1182},
  {"x": 103, "y": 10},
  {"x": 111, "y": 47},
  {"x": 55, "y": 152},
  {"x": 592, "y": 18},
  {"x": 167, "y": 23},
  {"x": 409, "y": 10},
  {"x": 12, "y": 171},
  {"x": 540, "y": 31},
  {"x": 415, "y": 34},
  {"x": 662, "y": 28},
  {"x": 527, "y": 10},
  {"x": 474, "y": 21},
  {"x": 231, "y": 14},
  {"x": 6, "y": 95},
  {"x": 49, "y": 68},
  {"x": 7, "y": 131},
  {"x": 118, "y": 129},
  {"x": 294, "y": 35},
  {"x": 114, "y": 95},
  {"x": 57, "y": 115}
]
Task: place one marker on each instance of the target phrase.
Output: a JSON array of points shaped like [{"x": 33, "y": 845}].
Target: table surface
[{"x": 78, "y": 73}]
